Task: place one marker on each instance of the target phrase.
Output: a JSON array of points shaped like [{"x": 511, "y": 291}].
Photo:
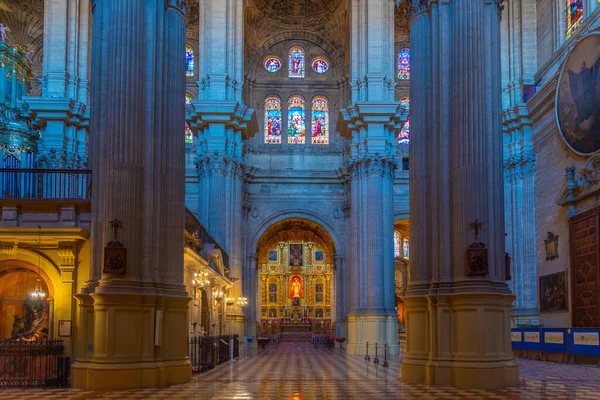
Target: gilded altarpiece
[{"x": 295, "y": 277}]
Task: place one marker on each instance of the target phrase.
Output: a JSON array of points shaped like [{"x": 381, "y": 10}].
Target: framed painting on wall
[{"x": 553, "y": 292}]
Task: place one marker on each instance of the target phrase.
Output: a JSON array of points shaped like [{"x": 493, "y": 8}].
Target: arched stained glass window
[
  {"x": 404, "y": 64},
  {"x": 405, "y": 248},
  {"x": 272, "y": 64},
  {"x": 396, "y": 244},
  {"x": 273, "y": 120},
  {"x": 189, "y": 61},
  {"x": 189, "y": 136},
  {"x": 296, "y": 62},
  {"x": 320, "y": 65},
  {"x": 404, "y": 134},
  {"x": 574, "y": 15},
  {"x": 296, "y": 121},
  {"x": 320, "y": 120},
  {"x": 188, "y": 98}
]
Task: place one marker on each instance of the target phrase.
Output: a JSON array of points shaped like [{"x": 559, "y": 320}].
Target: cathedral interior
[{"x": 336, "y": 198}]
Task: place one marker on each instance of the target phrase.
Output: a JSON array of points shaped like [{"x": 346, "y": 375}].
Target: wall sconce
[
  {"x": 230, "y": 301},
  {"x": 218, "y": 295},
  {"x": 200, "y": 281},
  {"x": 242, "y": 301}
]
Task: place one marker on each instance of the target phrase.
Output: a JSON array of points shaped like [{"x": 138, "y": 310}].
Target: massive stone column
[
  {"x": 458, "y": 305},
  {"x": 369, "y": 122},
  {"x": 133, "y": 316},
  {"x": 223, "y": 121},
  {"x": 62, "y": 109}
]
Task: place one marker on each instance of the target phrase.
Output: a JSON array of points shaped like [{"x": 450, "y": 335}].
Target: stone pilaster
[
  {"x": 139, "y": 316},
  {"x": 62, "y": 110},
  {"x": 458, "y": 318}
]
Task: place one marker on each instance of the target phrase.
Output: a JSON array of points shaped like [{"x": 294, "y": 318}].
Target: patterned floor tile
[{"x": 301, "y": 372}]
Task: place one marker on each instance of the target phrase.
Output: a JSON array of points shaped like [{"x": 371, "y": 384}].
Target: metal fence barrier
[
  {"x": 207, "y": 351},
  {"x": 33, "y": 364}
]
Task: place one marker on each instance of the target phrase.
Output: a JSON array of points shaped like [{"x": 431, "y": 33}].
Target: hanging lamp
[{"x": 38, "y": 293}]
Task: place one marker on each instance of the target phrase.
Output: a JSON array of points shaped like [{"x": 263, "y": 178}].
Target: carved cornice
[
  {"x": 67, "y": 251},
  {"x": 580, "y": 184}
]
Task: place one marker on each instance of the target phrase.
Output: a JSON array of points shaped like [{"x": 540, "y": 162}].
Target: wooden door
[{"x": 585, "y": 276}]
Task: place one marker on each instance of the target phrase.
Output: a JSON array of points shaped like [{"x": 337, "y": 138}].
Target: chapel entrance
[
  {"x": 24, "y": 305},
  {"x": 296, "y": 285}
]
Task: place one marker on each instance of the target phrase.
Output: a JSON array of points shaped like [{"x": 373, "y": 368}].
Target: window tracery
[
  {"x": 296, "y": 62},
  {"x": 404, "y": 64},
  {"x": 273, "y": 120},
  {"x": 296, "y": 121},
  {"x": 320, "y": 120}
]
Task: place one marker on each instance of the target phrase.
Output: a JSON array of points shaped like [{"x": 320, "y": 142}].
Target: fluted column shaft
[{"x": 456, "y": 180}]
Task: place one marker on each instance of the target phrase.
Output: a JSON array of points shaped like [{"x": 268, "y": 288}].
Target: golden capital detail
[{"x": 67, "y": 251}]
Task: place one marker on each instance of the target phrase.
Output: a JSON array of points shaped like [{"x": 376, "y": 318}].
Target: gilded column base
[
  {"x": 138, "y": 341},
  {"x": 372, "y": 329},
  {"x": 460, "y": 340}
]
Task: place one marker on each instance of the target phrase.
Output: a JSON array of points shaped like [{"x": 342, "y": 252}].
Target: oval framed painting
[{"x": 578, "y": 97}]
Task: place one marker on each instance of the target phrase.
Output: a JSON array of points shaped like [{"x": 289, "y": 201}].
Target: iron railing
[
  {"x": 207, "y": 351},
  {"x": 33, "y": 364},
  {"x": 198, "y": 232},
  {"x": 49, "y": 184}
]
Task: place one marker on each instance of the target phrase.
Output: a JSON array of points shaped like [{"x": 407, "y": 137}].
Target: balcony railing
[
  {"x": 48, "y": 184},
  {"x": 200, "y": 234},
  {"x": 207, "y": 351}
]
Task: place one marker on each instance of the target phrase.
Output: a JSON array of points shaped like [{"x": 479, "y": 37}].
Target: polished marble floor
[{"x": 301, "y": 372}]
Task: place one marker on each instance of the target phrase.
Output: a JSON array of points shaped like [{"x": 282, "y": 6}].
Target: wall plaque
[
  {"x": 115, "y": 253},
  {"x": 477, "y": 254}
]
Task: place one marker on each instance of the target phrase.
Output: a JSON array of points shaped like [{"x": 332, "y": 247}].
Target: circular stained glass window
[
  {"x": 272, "y": 64},
  {"x": 320, "y": 66}
]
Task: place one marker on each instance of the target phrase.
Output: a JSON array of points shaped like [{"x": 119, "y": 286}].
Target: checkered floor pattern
[{"x": 301, "y": 372}]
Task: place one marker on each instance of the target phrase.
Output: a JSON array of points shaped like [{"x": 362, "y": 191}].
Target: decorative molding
[
  {"x": 67, "y": 251},
  {"x": 372, "y": 165},
  {"x": 577, "y": 188}
]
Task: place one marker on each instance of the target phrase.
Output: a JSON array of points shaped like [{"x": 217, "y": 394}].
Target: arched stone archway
[{"x": 289, "y": 248}]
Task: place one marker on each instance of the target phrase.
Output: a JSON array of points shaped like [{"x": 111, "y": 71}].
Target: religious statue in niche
[
  {"x": 295, "y": 255},
  {"x": 551, "y": 243},
  {"x": 477, "y": 254},
  {"x": 296, "y": 287}
]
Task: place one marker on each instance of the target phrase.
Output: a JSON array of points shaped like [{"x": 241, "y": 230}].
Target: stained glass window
[
  {"x": 272, "y": 64},
  {"x": 273, "y": 120},
  {"x": 188, "y": 98},
  {"x": 189, "y": 61},
  {"x": 404, "y": 134},
  {"x": 574, "y": 15},
  {"x": 405, "y": 103},
  {"x": 404, "y": 64},
  {"x": 405, "y": 248},
  {"x": 320, "y": 120},
  {"x": 296, "y": 121},
  {"x": 189, "y": 136},
  {"x": 319, "y": 65},
  {"x": 296, "y": 62},
  {"x": 396, "y": 244}
]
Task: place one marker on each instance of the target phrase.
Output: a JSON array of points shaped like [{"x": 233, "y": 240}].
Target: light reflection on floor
[{"x": 302, "y": 372}]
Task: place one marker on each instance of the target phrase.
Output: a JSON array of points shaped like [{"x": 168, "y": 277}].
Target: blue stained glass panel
[
  {"x": 273, "y": 120},
  {"x": 296, "y": 62},
  {"x": 272, "y": 64},
  {"x": 320, "y": 121},
  {"x": 296, "y": 121},
  {"x": 404, "y": 64},
  {"x": 189, "y": 61}
]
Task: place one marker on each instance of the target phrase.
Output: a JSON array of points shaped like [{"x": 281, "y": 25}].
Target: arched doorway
[
  {"x": 296, "y": 281},
  {"x": 23, "y": 316},
  {"x": 205, "y": 314}
]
